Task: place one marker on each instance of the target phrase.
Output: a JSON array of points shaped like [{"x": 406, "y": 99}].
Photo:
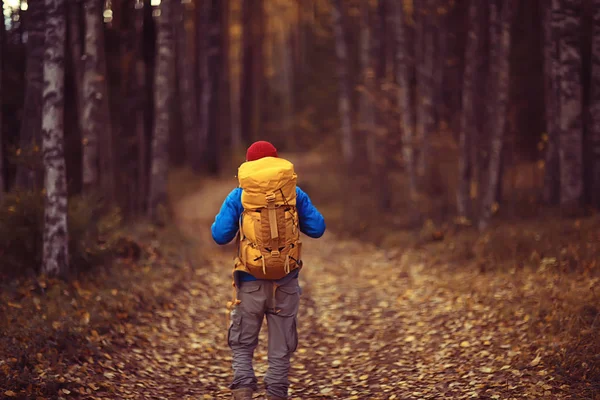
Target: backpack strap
[{"x": 273, "y": 224}]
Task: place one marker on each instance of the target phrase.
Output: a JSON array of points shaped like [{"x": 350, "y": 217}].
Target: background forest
[{"x": 467, "y": 132}]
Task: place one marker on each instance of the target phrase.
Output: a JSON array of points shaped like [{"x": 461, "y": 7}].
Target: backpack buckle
[
  {"x": 270, "y": 197},
  {"x": 275, "y": 253}
]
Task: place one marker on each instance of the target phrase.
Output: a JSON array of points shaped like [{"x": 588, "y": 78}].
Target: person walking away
[{"x": 266, "y": 212}]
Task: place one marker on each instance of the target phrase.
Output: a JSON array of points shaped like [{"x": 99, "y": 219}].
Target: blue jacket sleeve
[
  {"x": 227, "y": 220},
  {"x": 312, "y": 222}
]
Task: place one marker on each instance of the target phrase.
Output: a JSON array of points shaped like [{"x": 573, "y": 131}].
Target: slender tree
[
  {"x": 500, "y": 37},
  {"x": 92, "y": 96},
  {"x": 341, "y": 52},
  {"x": 215, "y": 82},
  {"x": 252, "y": 85},
  {"x": 551, "y": 81},
  {"x": 367, "y": 128},
  {"x": 185, "y": 72},
  {"x": 405, "y": 104},
  {"x": 570, "y": 150},
  {"x": 594, "y": 128},
  {"x": 140, "y": 121},
  {"x": 56, "y": 236},
  {"x": 30, "y": 135},
  {"x": 2, "y": 45},
  {"x": 426, "y": 83},
  {"x": 203, "y": 26},
  {"x": 163, "y": 87},
  {"x": 468, "y": 119}
]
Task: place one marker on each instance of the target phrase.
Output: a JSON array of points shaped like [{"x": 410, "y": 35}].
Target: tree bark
[
  {"x": 203, "y": 43},
  {"x": 570, "y": 149},
  {"x": 341, "y": 52},
  {"x": 163, "y": 85},
  {"x": 468, "y": 118},
  {"x": 551, "y": 190},
  {"x": 425, "y": 84},
  {"x": 92, "y": 97},
  {"x": 407, "y": 110},
  {"x": 56, "y": 237},
  {"x": 212, "y": 153},
  {"x": 253, "y": 68},
  {"x": 500, "y": 40},
  {"x": 185, "y": 81},
  {"x": 140, "y": 120},
  {"x": 594, "y": 128},
  {"x": 30, "y": 135},
  {"x": 367, "y": 128},
  {"x": 2, "y": 44}
]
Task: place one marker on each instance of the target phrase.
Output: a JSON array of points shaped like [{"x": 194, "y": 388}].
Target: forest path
[{"x": 372, "y": 325}]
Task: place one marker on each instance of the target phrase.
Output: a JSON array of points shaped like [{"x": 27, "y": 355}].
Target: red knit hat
[{"x": 259, "y": 150}]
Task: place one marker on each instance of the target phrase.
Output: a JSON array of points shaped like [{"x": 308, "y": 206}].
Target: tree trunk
[
  {"x": 234, "y": 70},
  {"x": 92, "y": 97},
  {"x": 107, "y": 150},
  {"x": 468, "y": 118},
  {"x": 140, "y": 120},
  {"x": 163, "y": 86},
  {"x": 288, "y": 64},
  {"x": 570, "y": 150},
  {"x": 594, "y": 128},
  {"x": 56, "y": 237},
  {"x": 185, "y": 81},
  {"x": 30, "y": 135},
  {"x": 367, "y": 128},
  {"x": 500, "y": 40},
  {"x": 76, "y": 49},
  {"x": 253, "y": 68},
  {"x": 2, "y": 43},
  {"x": 551, "y": 79},
  {"x": 203, "y": 43},
  {"x": 212, "y": 153},
  {"x": 426, "y": 85},
  {"x": 343, "y": 82},
  {"x": 405, "y": 104}
]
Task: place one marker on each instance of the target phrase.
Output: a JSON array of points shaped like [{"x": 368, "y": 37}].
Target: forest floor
[{"x": 374, "y": 324}]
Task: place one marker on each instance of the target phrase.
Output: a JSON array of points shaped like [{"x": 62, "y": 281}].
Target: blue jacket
[{"x": 227, "y": 220}]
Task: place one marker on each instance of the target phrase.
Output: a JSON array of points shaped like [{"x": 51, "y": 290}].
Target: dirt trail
[{"x": 372, "y": 325}]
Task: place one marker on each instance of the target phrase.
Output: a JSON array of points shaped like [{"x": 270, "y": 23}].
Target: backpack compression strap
[{"x": 273, "y": 224}]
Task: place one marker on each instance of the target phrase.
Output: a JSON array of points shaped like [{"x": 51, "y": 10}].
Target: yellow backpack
[{"x": 269, "y": 235}]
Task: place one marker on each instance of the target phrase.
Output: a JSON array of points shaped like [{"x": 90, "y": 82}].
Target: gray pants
[{"x": 280, "y": 305}]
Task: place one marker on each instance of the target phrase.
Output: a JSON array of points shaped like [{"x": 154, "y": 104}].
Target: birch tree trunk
[
  {"x": 468, "y": 119},
  {"x": 594, "y": 128},
  {"x": 2, "y": 43},
  {"x": 56, "y": 236},
  {"x": 407, "y": 110},
  {"x": 500, "y": 72},
  {"x": 163, "y": 93},
  {"x": 185, "y": 81},
  {"x": 570, "y": 150},
  {"x": 551, "y": 82},
  {"x": 30, "y": 135},
  {"x": 343, "y": 82},
  {"x": 92, "y": 97}
]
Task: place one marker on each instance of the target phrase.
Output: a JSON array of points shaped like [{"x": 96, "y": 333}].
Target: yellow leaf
[
  {"x": 14, "y": 305},
  {"x": 464, "y": 343},
  {"x": 487, "y": 370},
  {"x": 410, "y": 338},
  {"x": 66, "y": 391},
  {"x": 10, "y": 393},
  {"x": 535, "y": 362},
  {"x": 363, "y": 377}
]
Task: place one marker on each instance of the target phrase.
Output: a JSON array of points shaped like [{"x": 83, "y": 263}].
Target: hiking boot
[{"x": 241, "y": 394}]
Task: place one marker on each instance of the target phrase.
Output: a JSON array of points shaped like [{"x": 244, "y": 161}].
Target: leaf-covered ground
[{"x": 374, "y": 324}]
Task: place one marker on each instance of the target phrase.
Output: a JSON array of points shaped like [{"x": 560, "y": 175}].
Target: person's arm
[
  {"x": 312, "y": 222},
  {"x": 227, "y": 220}
]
